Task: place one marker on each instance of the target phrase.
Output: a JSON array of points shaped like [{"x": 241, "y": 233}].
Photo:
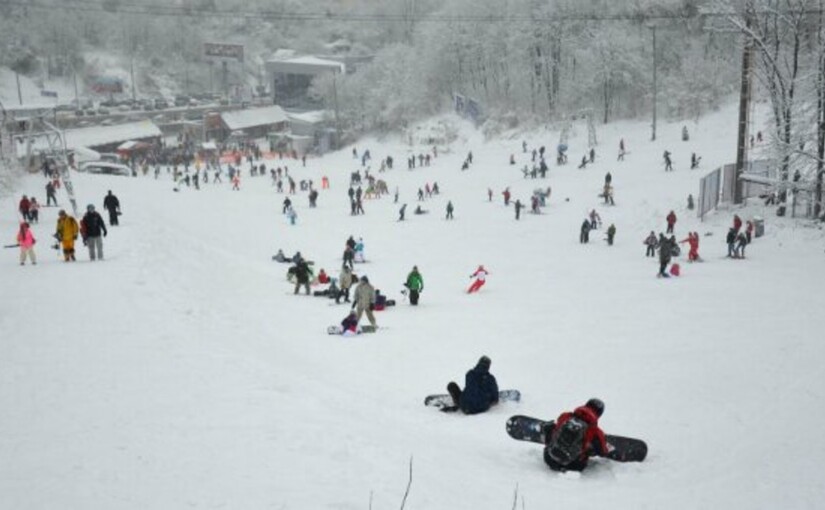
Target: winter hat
[
  {"x": 365, "y": 279},
  {"x": 90, "y": 208},
  {"x": 484, "y": 361}
]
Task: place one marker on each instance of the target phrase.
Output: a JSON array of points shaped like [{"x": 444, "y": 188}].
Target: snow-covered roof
[
  {"x": 312, "y": 117},
  {"x": 253, "y": 117},
  {"x": 304, "y": 65},
  {"x": 103, "y": 135}
]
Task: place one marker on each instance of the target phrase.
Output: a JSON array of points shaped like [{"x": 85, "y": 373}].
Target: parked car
[{"x": 104, "y": 168}]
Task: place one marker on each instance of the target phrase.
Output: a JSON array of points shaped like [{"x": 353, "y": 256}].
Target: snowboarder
[
  {"x": 112, "y": 204},
  {"x": 480, "y": 279},
  {"x": 415, "y": 285},
  {"x": 449, "y": 210},
  {"x": 671, "y": 221},
  {"x": 480, "y": 389},
  {"x": 650, "y": 241},
  {"x": 575, "y": 437},
  {"x": 518, "y": 206},
  {"x": 584, "y": 234},
  {"x": 91, "y": 227},
  {"x": 584, "y": 162},
  {"x": 363, "y": 300},
  {"x": 66, "y": 234},
  {"x": 401, "y": 212},
  {"x": 26, "y": 240},
  {"x": 611, "y": 233}
]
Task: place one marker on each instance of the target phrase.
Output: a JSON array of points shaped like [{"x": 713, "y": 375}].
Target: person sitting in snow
[
  {"x": 323, "y": 277},
  {"x": 561, "y": 454},
  {"x": 349, "y": 324},
  {"x": 480, "y": 389}
]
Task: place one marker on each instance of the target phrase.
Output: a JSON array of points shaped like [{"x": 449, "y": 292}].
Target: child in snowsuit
[
  {"x": 66, "y": 234},
  {"x": 349, "y": 325},
  {"x": 26, "y": 240},
  {"x": 651, "y": 242},
  {"x": 481, "y": 277}
]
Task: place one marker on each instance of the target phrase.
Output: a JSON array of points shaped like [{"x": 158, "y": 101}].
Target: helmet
[{"x": 596, "y": 405}]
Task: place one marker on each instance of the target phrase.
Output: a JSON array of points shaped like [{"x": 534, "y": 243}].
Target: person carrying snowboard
[
  {"x": 480, "y": 389},
  {"x": 415, "y": 285},
  {"x": 481, "y": 277},
  {"x": 575, "y": 437}
]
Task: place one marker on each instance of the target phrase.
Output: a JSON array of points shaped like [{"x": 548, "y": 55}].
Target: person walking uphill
[
  {"x": 415, "y": 284},
  {"x": 66, "y": 234},
  {"x": 26, "y": 240},
  {"x": 91, "y": 226},
  {"x": 363, "y": 300},
  {"x": 575, "y": 437},
  {"x": 480, "y": 389},
  {"x": 112, "y": 204}
]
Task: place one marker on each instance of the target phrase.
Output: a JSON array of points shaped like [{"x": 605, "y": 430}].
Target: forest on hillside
[{"x": 523, "y": 61}]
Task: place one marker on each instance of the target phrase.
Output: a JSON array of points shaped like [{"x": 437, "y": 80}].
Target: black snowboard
[
  {"x": 624, "y": 449},
  {"x": 445, "y": 402}
]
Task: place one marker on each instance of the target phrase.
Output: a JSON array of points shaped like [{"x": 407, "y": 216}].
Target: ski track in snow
[{"x": 180, "y": 373}]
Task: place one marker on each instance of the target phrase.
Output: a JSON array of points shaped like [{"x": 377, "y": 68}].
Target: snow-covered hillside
[{"x": 181, "y": 372}]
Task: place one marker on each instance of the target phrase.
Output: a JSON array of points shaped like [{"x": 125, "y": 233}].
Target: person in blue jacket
[{"x": 480, "y": 389}]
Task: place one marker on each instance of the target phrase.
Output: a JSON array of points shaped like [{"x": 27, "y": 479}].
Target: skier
[
  {"x": 671, "y": 221},
  {"x": 584, "y": 162},
  {"x": 506, "y": 194},
  {"x": 363, "y": 300},
  {"x": 91, "y": 227},
  {"x": 692, "y": 241},
  {"x": 694, "y": 160},
  {"x": 575, "y": 437},
  {"x": 651, "y": 242},
  {"x": 480, "y": 279},
  {"x": 665, "y": 253},
  {"x": 50, "y": 194},
  {"x": 415, "y": 285},
  {"x": 611, "y": 233},
  {"x": 449, "y": 210},
  {"x": 66, "y": 234},
  {"x": 621, "y": 150},
  {"x": 401, "y": 212},
  {"x": 26, "y": 240},
  {"x": 358, "y": 256},
  {"x": 301, "y": 271},
  {"x": 480, "y": 389},
  {"x": 668, "y": 162},
  {"x": 592, "y": 155},
  {"x": 595, "y": 219},
  {"x": 287, "y": 205},
  {"x": 584, "y": 234},
  {"x": 112, "y": 204}
]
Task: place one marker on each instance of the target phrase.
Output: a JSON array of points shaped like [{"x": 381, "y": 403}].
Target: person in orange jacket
[{"x": 66, "y": 234}]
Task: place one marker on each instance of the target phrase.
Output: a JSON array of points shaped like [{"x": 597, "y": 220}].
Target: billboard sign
[{"x": 223, "y": 51}]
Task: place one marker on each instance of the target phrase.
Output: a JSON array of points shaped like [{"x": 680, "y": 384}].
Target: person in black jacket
[
  {"x": 665, "y": 253},
  {"x": 91, "y": 226},
  {"x": 480, "y": 389},
  {"x": 112, "y": 204},
  {"x": 301, "y": 271}
]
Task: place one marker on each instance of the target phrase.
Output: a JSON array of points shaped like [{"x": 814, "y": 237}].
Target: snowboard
[
  {"x": 445, "y": 401},
  {"x": 338, "y": 330},
  {"x": 622, "y": 449}
]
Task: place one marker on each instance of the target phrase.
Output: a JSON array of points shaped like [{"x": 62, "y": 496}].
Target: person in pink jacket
[{"x": 26, "y": 240}]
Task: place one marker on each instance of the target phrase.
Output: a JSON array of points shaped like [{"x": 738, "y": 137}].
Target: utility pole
[
  {"x": 653, "y": 135},
  {"x": 744, "y": 107},
  {"x": 132, "y": 72},
  {"x": 337, "y": 120},
  {"x": 19, "y": 92}
]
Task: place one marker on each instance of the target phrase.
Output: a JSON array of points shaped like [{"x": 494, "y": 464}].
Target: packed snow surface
[{"x": 182, "y": 372}]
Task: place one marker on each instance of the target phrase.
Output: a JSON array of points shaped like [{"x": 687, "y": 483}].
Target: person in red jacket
[
  {"x": 582, "y": 424},
  {"x": 749, "y": 230},
  {"x": 671, "y": 221},
  {"x": 737, "y": 223},
  {"x": 24, "y": 207},
  {"x": 693, "y": 242},
  {"x": 480, "y": 279}
]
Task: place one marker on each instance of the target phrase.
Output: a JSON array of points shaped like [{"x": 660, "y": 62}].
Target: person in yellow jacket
[{"x": 66, "y": 234}]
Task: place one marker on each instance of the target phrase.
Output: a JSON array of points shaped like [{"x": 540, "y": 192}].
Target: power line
[{"x": 158, "y": 10}]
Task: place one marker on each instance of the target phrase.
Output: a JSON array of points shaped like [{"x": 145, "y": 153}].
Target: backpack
[{"x": 566, "y": 443}]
